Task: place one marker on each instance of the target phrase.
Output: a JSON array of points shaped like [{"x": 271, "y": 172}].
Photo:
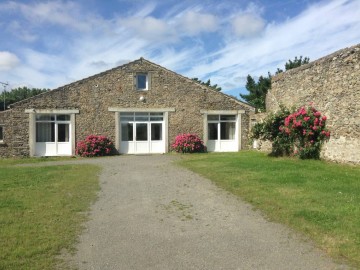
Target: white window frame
[
  {"x": 238, "y": 133},
  {"x": 32, "y": 125},
  {"x": 146, "y": 82},
  {"x": 218, "y": 123},
  {"x": 56, "y": 127}
]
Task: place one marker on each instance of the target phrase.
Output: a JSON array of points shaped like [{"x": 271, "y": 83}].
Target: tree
[
  {"x": 17, "y": 94},
  {"x": 258, "y": 90},
  {"x": 294, "y": 64},
  {"x": 208, "y": 84}
]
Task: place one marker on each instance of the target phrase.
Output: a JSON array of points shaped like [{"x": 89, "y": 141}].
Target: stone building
[
  {"x": 332, "y": 83},
  {"x": 141, "y": 106}
]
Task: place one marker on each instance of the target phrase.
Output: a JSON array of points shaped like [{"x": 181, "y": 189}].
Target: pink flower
[{"x": 317, "y": 114}]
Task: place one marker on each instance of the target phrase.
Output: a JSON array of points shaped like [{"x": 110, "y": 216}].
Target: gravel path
[{"x": 152, "y": 214}]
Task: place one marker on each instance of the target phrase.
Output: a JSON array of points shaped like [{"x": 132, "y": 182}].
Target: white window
[
  {"x": 142, "y": 81},
  {"x": 47, "y": 125},
  {"x": 1, "y": 133},
  {"x": 221, "y": 127}
]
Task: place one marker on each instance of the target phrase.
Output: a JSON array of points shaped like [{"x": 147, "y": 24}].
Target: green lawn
[
  {"x": 319, "y": 199},
  {"x": 41, "y": 211}
]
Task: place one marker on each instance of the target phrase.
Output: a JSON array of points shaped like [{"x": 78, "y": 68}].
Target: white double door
[{"x": 142, "y": 137}]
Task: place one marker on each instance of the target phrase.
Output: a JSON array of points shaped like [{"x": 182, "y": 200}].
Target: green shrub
[{"x": 301, "y": 132}]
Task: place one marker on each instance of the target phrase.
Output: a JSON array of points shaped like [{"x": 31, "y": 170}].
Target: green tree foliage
[
  {"x": 297, "y": 62},
  {"x": 258, "y": 89},
  {"x": 208, "y": 84},
  {"x": 17, "y": 94}
]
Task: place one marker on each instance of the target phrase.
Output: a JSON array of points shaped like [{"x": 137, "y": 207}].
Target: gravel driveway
[{"x": 152, "y": 214}]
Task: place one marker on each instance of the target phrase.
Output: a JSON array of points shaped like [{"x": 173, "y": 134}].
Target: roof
[{"x": 124, "y": 67}]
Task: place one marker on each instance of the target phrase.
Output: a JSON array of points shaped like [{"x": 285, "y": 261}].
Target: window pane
[
  {"x": 1, "y": 133},
  {"x": 126, "y": 132},
  {"x": 141, "y": 116},
  {"x": 227, "y": 117},
  {"x": 63, "y": 117},
  {"x": 141, "y": 81},
  {"x": 63, "y": 132},
  {"x": 227, "y": 130},
  {"x": 45, "y": 117},
  {"x": 213, "y": 131},
  {"x": 141, "y": 132},
  {"x": 45, "y": 132},
  {"x": 156, "y": 116},
  {"x": 213, "y": 117},
  {"x": 156, "y": 132},
  {"x": 127, "y": 116}
]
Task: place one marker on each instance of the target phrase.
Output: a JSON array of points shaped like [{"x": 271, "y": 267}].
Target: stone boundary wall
[
  {"x": 332, "y": 83},
  {"x": 264, "y": 146}
]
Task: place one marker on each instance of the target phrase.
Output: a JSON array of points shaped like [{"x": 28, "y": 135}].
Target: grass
[
  {"x": 319, "y": 199},
  {"x": 41, "y": 211}
]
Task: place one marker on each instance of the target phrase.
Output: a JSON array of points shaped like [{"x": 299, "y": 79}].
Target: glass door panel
[
  {"x": 156, "y": 131},
  {"x": 212, "y": 131},
  {"x": 127, "y": 132},
  {"x": 141, "y": 131},
  {"x": 63, "y": 133},
  {"x": 227, "y": 130}
]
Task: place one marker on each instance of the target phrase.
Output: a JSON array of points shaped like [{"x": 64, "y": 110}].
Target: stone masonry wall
[
  {"x": 115, "y": 88},
  {"x": 333, "y": 84}
]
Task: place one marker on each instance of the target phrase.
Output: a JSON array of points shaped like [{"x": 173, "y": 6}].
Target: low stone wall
[{"x": 332, "y": 83}]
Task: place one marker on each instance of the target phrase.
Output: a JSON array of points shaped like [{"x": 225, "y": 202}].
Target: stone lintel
[
  {"x": 48, "y": 111},
  {"x": 222, "y": 111},
  {"x": 116, "y": 109}
]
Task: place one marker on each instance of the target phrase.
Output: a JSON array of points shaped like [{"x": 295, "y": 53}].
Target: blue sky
[{"x": 47, "y": 44}]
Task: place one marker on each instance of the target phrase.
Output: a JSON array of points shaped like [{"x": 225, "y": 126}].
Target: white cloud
[
  {"x": 319, "y": 30},
  {"x": 63, "y": 13},
  {"x": 247, "y": 25},
  {"x": 8, "y": 60},
  {"x": 172, "y": 38},
  {"x": 21, "y": 32},
  {"x": 149, "y": 28},
  {"x": 193, "y": 23}
]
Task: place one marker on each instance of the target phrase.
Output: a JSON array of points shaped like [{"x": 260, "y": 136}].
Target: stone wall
[
  {"x": 264, "y": 146},
  {"x": 115, "y": 88},
  {"x": 333, "y": 84}
]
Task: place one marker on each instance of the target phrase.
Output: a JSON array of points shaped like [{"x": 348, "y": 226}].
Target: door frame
[
  {"x": 238, "y": 126},
  {"x": 32, "y": 126},
  {"x": 165, "y": 122}
]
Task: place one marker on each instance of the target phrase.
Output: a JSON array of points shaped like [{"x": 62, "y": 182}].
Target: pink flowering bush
[
  {"x": 95, "y": 146},
  {"x": 188, "y": 143},
  {"x": 307, "y": 128},
  {"x": 299, "y": 132}
]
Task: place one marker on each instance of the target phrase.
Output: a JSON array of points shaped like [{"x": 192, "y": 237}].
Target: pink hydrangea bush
[
  {"x": 307, "y": 128},
  {"x": 95, "y": 146},
  {"x": 188, "y": 143}
]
